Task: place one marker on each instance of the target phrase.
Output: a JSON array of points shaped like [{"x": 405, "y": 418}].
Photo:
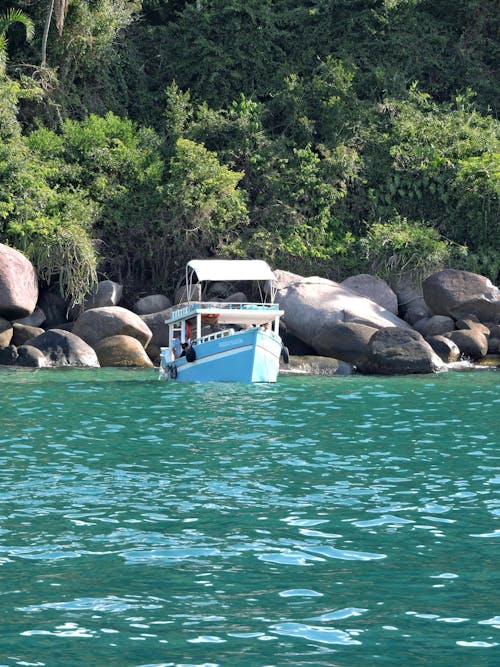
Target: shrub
[{"x": 399, "y": 247}]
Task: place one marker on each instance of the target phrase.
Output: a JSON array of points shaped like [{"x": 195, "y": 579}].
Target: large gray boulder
[
  {"x": 31, "y": 357},
  {"x": 396, "y": 351},
  {"x": 283, "y": 279},
  {"x": 350, "y": 340},
  {"x": 36, "y": 319},
  {"x": 54, "y": 306},
  {"x": 62, "y": 348},
  {"x": 236, "y": 297},
  {"x": 18, "y": 284},
  {"x": 445, "y": 348},
  {"x": 411, "y": 303},
  {"x": 472, "y": 344},
  {"x": 104, "y": 294},
  {"x": 22, "y": 333},
  {"x": 314, "y": 306},
  {"x": 159, "y": 330},
  {"x": 459, "y": 294},
  {"x": 472, "y": 324},
  {"x": 8, "y": 355},
  {"x": 494, "y": 339},
  {"x": 153, "y": 303},
  {"x": 219, "y": 291},
  {"x": 97, "y": 323},
  {"x": 434, "y": 326},
  {"x": 373, "y": 288},
  {"x": 6, "y": 332},
  {"x": 122, "y": 351},
  {"x": 181, "y": 294},
  {"x": 295, "y": 346}
]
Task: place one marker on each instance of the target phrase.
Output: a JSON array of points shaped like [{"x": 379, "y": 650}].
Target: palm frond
[{"x": 12, "y": 16}]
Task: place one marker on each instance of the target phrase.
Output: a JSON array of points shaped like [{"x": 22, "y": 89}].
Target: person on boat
[{"x": 176, "y": 347}]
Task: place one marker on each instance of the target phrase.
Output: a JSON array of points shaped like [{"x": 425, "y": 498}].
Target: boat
[{"x": 217, "y": 341}]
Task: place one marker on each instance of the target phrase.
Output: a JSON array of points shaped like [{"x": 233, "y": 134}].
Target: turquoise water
[{"x": 320, "y": 521}]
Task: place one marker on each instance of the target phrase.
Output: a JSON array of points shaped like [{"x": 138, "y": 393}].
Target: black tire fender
[
  {"x": 190, "y": 354},
  {"x": 285, "y": 354},
  {"x": 172, "y": 371}
]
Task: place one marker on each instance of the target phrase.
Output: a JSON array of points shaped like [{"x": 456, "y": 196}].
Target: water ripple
[
  {"x": 313, "y": 633},
  {"x": 319, "y": 521}
]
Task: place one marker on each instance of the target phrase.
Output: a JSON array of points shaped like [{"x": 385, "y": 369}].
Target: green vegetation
[
  {"x": 397, "y": 247},
  {"x": 327, "y": 136}
]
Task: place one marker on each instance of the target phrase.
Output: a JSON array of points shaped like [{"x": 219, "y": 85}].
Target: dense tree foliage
[{"x": 327, "y": 136}]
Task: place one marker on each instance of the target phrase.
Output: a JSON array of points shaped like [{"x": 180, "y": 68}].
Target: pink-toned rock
[{"x": 18, "y": 284}]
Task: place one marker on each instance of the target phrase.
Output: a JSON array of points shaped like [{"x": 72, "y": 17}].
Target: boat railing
[
  {"x": 198, "y": 306},
  {"x": 213, "y": 336}
]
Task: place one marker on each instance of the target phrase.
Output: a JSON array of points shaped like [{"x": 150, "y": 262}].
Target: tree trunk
[
  {"x": 61, "y": 9},
  {"x": 46, "y": 33}
]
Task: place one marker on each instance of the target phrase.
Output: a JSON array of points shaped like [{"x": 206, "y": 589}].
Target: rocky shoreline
[{"x": 360, "y": 325}]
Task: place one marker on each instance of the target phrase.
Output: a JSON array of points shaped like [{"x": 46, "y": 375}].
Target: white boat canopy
[
  {"x": 228, "y": 270},
  {"x": 231, "y": 269}
]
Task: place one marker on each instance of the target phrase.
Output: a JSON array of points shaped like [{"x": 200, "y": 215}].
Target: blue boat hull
[{"x": 250, "y": 355}]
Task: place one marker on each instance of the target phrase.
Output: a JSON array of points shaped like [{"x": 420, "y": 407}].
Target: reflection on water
[{"x": 319, "y": 521}]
